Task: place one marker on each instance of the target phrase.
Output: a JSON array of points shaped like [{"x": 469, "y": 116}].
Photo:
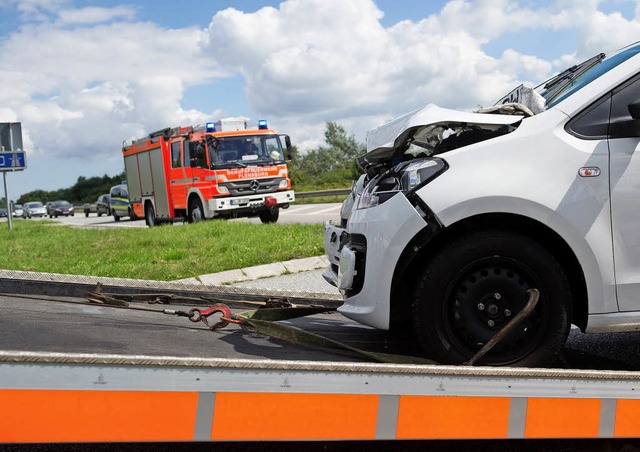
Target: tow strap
[{"x": 263, "y": 321}]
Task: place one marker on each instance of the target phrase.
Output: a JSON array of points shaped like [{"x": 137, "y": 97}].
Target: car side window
[
  {"x": 592, "y": 123},
  {"x": 176, "y": 160},
  {"x": 622, "y": 124},
  {"x": 186, "y": 151}
]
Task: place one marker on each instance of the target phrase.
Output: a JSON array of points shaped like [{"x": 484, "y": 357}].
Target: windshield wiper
[
  {"x": 232, "y": 163},
  {"x": 574, "y": 71}
]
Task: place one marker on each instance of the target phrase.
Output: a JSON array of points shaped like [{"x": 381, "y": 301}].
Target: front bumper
[
  {"x": 257, "y": 202},
  {"x": 363, "y": 257}
]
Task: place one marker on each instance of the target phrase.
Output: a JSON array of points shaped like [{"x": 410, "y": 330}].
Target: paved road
[
  {"x": 63, "y": 325},
  {"x": 297, "y": 213}
]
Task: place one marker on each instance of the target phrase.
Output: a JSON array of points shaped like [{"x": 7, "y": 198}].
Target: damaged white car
[{"x": 460, "y": 214}]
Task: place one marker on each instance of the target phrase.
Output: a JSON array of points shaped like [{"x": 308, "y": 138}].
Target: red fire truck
[{"x": 222, "y": 169}]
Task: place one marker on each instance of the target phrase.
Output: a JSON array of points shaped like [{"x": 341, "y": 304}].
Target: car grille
[{"x": 252, "y": 187}]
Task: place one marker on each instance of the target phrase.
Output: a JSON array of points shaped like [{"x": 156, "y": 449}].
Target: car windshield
[
  {"x": 245, "y": 151},
  {"x": 61, "y": 204},
  {"x": 35, "y": 205},
  {"x": 573, "y": 79}
]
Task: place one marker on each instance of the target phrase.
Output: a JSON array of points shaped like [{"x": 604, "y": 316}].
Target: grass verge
[{"x": 163, "y": 253}]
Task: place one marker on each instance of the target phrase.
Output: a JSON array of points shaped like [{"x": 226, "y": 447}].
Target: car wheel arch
[{"x": 427, "y": 243}]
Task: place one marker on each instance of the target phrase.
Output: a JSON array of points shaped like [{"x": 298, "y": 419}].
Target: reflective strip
[
  {"x": 277, "y": 416},
  {"x": 83, "y": 416},
  {"x": 517, "y": 417},
  {"x": 44, "y": 415},
  {"x": 607, "y": 418},
  {"x": 627, "y": 415},
  {"x": 387, "y": 422},
  {"x": 452, "y": 417},
  {"x": 204, "y": 416},
  {"x": 562, "y": 418}
]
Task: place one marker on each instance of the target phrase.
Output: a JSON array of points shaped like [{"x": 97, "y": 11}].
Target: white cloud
[
  {"x": 310, "y": 61},
  {"x": 84, "y": 79},
  {"x": 97, "y": 85},
  {"x": 94, "y": 14}
]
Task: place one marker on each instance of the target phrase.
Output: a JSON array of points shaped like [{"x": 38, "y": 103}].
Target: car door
[
  {"x": 624, "y": 146},
  {"x": 178, "y": 180}
]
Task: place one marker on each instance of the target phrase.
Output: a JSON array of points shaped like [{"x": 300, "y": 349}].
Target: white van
[{"x": 459, "y": 214}]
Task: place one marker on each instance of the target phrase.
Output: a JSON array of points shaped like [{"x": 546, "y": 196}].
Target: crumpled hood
[{"x": 384, "y": 141}]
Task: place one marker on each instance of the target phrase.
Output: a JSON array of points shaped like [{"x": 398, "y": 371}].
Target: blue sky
[{"x": 82, "y": 76}]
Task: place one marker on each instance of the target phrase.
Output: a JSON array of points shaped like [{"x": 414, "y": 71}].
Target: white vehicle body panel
[
  {"x": 528, "y": 178},
  {"x": 533, "y": 171}
]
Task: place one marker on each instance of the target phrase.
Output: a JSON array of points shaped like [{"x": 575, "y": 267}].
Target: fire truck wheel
[
  {"x": 195, "y": 211},
  {"x": 149, "y": 215},
  {"x": 269, "y": 216},
  {"x": 472, "y": 287}
]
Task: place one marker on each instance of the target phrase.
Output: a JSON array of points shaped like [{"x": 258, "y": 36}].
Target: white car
[
  {"x": 17, "y": 211},
  {"x": 461, "y": 213},
  {"x": 34, "y": 209}
]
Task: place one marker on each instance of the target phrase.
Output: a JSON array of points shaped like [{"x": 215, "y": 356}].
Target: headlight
[
  {"x": 420, "y": 173},
  {"x": 405, "y": 178}
]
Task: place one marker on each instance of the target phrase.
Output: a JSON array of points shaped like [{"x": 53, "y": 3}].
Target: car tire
[
  {"x": 472, "y": 287},
  {"x": 149, "y": 215},
  {"x": 196, "y": 212},
  {"x": 270, "y": 215}
]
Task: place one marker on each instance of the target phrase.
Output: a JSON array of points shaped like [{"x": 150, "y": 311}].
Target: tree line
[{"x": 331, "y": 165}]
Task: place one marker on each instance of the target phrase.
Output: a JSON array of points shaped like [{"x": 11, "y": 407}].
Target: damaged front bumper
[
  {"x": 364, "y": 256},
  {"x": 334, "y": 239}
]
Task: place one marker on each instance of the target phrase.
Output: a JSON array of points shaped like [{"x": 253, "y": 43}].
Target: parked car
[
  {"x": 101, "y": 206},
  {"x": 17, "y": 211},
  {"x": 34, "y": 209},
  {"x": 119, "y": 203},
  {"x": 3, "y": 212},
  {"x": 58, "y": 208}
]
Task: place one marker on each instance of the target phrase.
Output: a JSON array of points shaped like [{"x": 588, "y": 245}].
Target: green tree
[
  {"x": 83, "y": 191},
  {"x": 330, "y": 165}
]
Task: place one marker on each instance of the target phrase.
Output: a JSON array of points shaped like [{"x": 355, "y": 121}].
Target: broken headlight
[
  {"x": 404, "y": 178},
  {"x": 419, "y": 173}
]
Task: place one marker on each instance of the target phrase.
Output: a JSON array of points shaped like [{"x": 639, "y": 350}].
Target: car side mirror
[{"x": 287, "y": 143}]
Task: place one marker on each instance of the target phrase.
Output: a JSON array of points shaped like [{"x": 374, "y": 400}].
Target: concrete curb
[{"x": 258, "y": 272}]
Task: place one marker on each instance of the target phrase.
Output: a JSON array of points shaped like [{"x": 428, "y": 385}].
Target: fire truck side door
[
  {"x": 198, "y": 164},
  {"x": 178, "y": 179}
]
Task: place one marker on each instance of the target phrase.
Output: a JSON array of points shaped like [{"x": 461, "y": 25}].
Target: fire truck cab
[{"x": 222, "y": 169}]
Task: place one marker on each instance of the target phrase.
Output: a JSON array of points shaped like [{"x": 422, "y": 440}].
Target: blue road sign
[{"x": 13, "y": 161}]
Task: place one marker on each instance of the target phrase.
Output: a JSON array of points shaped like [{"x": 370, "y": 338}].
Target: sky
[{"x": 83, "y": 76}]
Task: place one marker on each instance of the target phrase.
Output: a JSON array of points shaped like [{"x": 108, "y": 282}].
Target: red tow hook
[
  {"x": 197, "y": 315},
  {"x": 270, "y": 201}
]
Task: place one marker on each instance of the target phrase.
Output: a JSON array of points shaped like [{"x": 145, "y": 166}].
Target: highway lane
[{"x": 296, "y": 213}]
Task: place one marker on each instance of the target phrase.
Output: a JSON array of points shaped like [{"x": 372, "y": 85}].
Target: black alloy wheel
[{"x": 471, "y": 288}]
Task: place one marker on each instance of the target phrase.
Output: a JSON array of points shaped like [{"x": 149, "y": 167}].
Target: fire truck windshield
[{"x": 256, "y": 150}]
